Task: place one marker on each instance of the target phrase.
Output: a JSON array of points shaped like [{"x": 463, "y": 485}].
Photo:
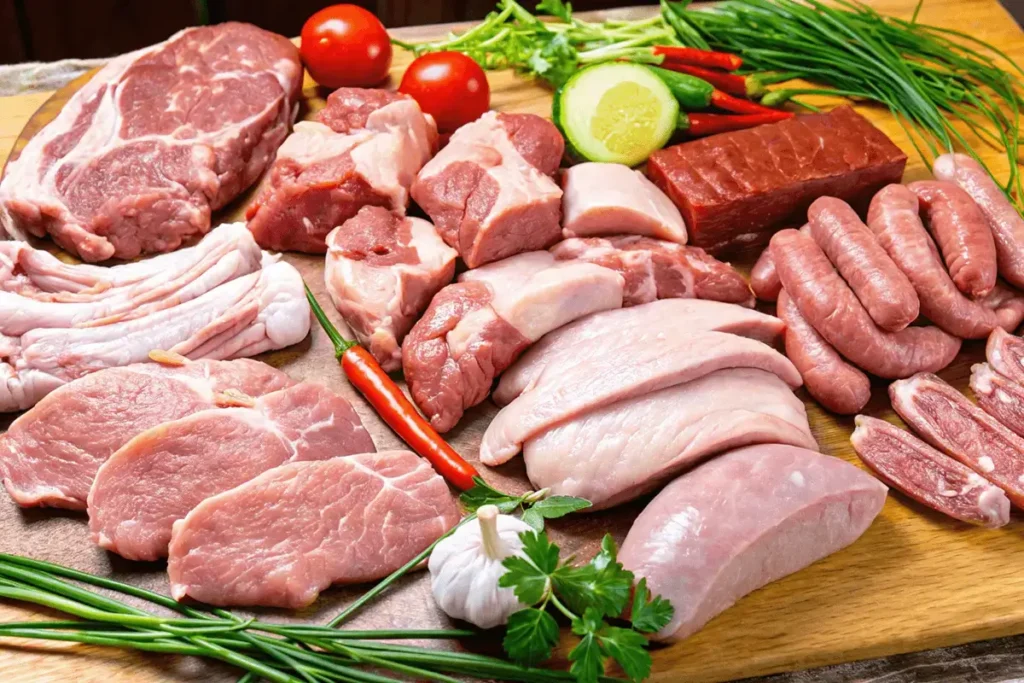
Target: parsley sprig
[
  {"x": 536, "y": 506},
  {"x": 590, "y": 596}
]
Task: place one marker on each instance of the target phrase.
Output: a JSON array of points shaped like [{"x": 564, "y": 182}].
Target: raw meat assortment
[
  {"x": 39, "y": 291},
  {"x": 924, "y": 474},
  {"x": 1006, "y": 224},
  {"x": 162, "y": 473},
  {"x": 365, "y": 149},
  {"x": 999, "y": 396},
  {"x": 140, "y": 156},
  {"x": 251, "y": 314},
  {"x": 490, "y": 190},
  {"x": 48, "y": 457},
  {"x": 477, "y": 327},
  {"x": 608, "y": 331},
  {"x": 1005, "y": 353},
  {"x": 962, "y": 234},
  {"x": 741, "y": 521},
  {"x": 608, "y": 376},
  {"x": 656, "y": 269},
  {"x": 947, "y": 420},
  {"x": 382, "y": 271},
  {"x": 281, "y": 538},
  {"x": 736, "y": 188},
  {"x": 623, "y": 450},
  {"x": 613, "y": 199}
]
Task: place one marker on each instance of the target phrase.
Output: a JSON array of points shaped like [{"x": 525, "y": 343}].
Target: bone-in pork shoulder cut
[
  {"x": 364, "y": 149},
  {"x": 162, "y": 473},
  {"x": 50, "y": 454},
  {"x": 141, "y": 155}
]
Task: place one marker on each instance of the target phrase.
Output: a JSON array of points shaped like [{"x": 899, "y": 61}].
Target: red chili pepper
[
  {"x": 699, "y": 124},
  {"x": 366, "y": 375},
  {"x": 738, "y": 105},
  {"x": 734, "y": 84},
  {"x": 696, "y": 57}
]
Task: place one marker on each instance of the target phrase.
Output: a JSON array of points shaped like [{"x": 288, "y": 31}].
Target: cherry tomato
[
  {"x": 345, "y": 45},
  {"x": 449, "y": 86}
]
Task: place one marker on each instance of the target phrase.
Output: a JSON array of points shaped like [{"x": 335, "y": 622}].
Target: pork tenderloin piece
[
  {"x": 365, "y": 149},
  {"x": 382, "y": 271},
  {"x": 50, "y": 455},
  {"x": 477, "y": 327},
  {"x": 162, "y": 473},
  {"x": 621, "y": 451},
  {"x": 281, "y": 538},
  {"x": 656, "y": 269},
  {"x": 741, "y": 521},
  {"x": 613, "y": 199},
  {"x": 490, "y": 192}
]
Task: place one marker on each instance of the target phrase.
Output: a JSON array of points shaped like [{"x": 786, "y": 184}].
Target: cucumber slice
[{"x": 615, "y": 112}]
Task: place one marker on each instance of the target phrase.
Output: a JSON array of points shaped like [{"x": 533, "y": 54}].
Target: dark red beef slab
[{"x": 736, "y": 189}]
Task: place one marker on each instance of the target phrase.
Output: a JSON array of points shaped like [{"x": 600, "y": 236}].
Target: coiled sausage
[
  {"x": 829, "y": 305},
  {"x": 962, "y": 233},
  {"x": 881, "y": 287}
]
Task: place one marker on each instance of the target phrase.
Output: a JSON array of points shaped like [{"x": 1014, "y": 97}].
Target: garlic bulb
[{"x": 465, "y": 568}]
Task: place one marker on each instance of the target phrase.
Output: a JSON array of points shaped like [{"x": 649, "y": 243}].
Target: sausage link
[
  {"x": 879, "y": 284},
  {"x": 1006, "y": 224},
  {"x": 828, "y": 304},
  {"x": 962, "y": 233},
  {"x": 835, "y": 384},
  {"x": 894, "y": 219},
  {"x": 764, "y": 280}
]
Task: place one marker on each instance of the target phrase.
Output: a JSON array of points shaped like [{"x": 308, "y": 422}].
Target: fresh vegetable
[
  {"x": 449, "y": 86},
  {"x": 465, "y": 568},
  {"x": 588, "y": 596},
  {"x": 345, "y": 45},
  {"x": 734, "y": 84},
  {"x": 739, "y": 105},
  {"x": 366, "y": 375},
  {"x": 616, "y": 113},
  {"x": 700, "y": 124},
  {"x": 691, "y": 93},
  {"x": 696, "y": 57}
]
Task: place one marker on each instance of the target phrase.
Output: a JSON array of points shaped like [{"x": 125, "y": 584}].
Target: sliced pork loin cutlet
[
  {"x": 50, "y": 455},
  {"x": 946, "y": 419},
  {"x": 162, "y": 473},
  {"x": 741, "y": 521},
  {"x": 490, "y": 190},
  {"x": 283, "y": 537},
  {"x": 136, "y": 161},
  {"x": 47, "y": 293},
  {"x": 999, "y": 396},
  {"x": 630, "y": 372},
  {"x": 258, "y": 312},
  {"x": 623, "y": 450},
  {"x": 656, "y": 269},
  {"x": 613, "y": 199},
  {"x": 382, "y": 271},
  {"x": 365, "y": 149},
  {"x": 609, "y": 332},
  {"x": 477, "y": 327},
  {"x": 735, "y": 189}
]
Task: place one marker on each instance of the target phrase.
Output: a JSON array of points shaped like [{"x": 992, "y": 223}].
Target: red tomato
[
  {"x": 449, "y": 86},
  {"x": 345, "y": 45}
]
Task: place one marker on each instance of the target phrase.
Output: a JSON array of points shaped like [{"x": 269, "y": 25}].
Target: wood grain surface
[{"x": 914, "y": 581}]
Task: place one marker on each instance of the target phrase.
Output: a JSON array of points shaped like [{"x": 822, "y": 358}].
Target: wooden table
[{"x": 914, "y": 581}]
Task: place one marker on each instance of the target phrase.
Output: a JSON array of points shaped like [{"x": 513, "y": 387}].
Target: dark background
[{"x": 47, "y": 30}]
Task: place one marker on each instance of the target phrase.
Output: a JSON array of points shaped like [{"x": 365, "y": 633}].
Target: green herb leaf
[
  {"x": 649, "y": 615},
  {"x": 556, "y": 8},
  {"x": 587, "y": 657},
  {"x": 589, "y": 587},
  {"x": 555, "y": 60},
  {"x": 560, "y": 506},
  {"x": 608, "y": 553},
  {"x": 483, "y": 493},
  {"x": 534, "y": 518},
  {"x": 529, "y": 575},
  {"x": 628, "y": 648},
  {"x": 540, "y": 550},
  {"x": 530, "y": 636}
]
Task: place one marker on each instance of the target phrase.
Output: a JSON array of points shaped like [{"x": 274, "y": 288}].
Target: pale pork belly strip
[
  {"x": 361, "y": 517},
  {"x": 999, "y": 396},
  {"x": 638, "y": 370},
  {"x": 741, "y": 521},
  {"x": 601, "y": 332},
  {"x": 924, "y": 474},
  {"x": 50, "y": 454},
  {"x": 947, "y": 420},
  {"x": 621, "y": 451},
  {"x": 162, "y": 473}
]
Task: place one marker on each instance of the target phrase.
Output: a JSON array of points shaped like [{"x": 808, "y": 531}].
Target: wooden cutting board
[{"x": 914, "y": 581}]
